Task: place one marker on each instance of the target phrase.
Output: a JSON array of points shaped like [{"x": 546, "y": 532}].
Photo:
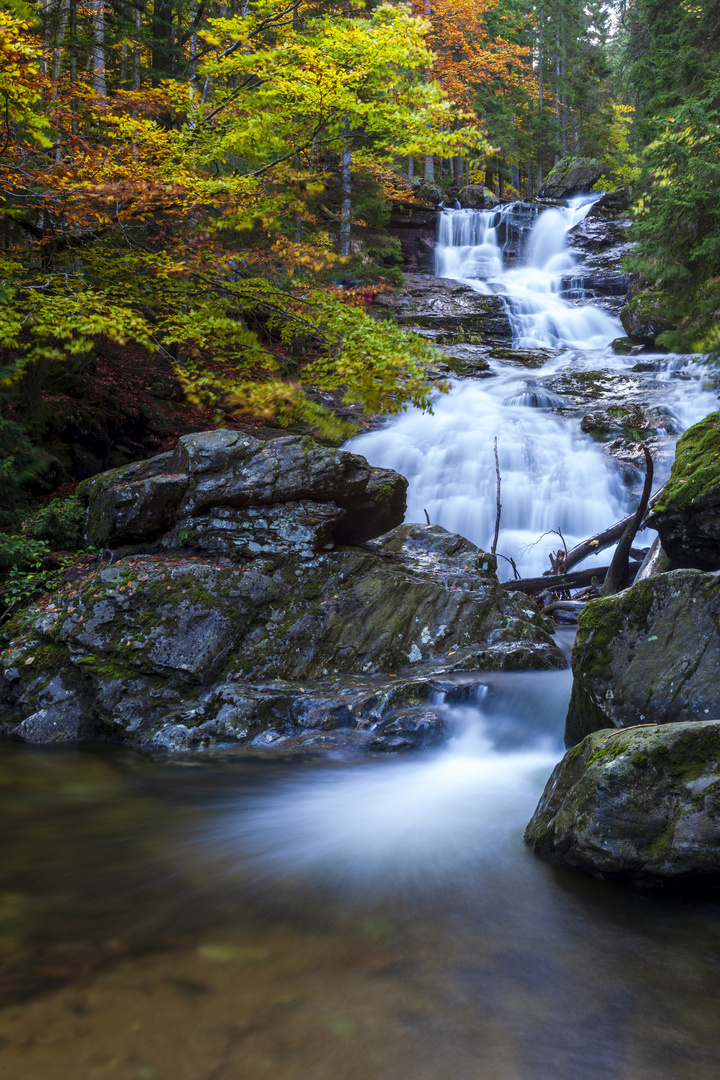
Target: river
[{"x": 216, "y": 919}]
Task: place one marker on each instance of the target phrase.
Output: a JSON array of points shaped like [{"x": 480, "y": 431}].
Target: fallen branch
[
  {"x": 576, "y": 580},
  {"x": 606, "y": 538}
]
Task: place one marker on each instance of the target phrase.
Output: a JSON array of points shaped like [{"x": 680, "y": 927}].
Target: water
[
  {"x": 555, "y": 479},
  {"x": 218, "y": 919}
]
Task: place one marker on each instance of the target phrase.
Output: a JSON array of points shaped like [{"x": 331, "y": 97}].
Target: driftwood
[
  {"x": 618, "y": 576},
  {"x": 606, "y": 538},
  {"x": 576, "y": 580}
]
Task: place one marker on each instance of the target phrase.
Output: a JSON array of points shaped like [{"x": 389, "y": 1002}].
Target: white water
[
  {"x": 554, "y": 477},
  {"x": 408, "y": 825}
]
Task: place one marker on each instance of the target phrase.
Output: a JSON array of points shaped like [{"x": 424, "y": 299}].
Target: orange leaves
[{"x": 467, "y": 56}]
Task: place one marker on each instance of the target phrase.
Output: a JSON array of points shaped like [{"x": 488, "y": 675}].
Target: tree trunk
[
  {"x": 99, "y": 81},
  {"x": 345, "y": 188},
  {"x": 539, "y": 174},
  {"x": 136, "y": 50}
]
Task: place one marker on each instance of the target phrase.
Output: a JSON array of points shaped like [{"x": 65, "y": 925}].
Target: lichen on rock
[
  {"x": 643, "y": 803},
  {"x": 651, "y": 654}
]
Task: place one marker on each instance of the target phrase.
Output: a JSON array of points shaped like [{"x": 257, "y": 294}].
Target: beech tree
[{"x": 179, "y": 215}]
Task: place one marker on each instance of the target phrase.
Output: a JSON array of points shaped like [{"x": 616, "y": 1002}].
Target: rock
[
  {"x": 687, "y": 517},
  {"x": 466, "y": 361},
  {"x": 429, "y": 193},
  {"x": 602, "y": 243},
  {"x": 649, "y": 655},
  {"x": 448, "y": 307},
  {"x": 410, "y": 729},
  {"x": 227, "y": 492},
  {"x": 477, "y": 197},
  {"x": 571, "y": 176},
  {"x": 644, "y": 318},
  {"x": 181, "y": 653},
  {"x": 643, "y": 804},
  {"x": 528, "y": 358},
  {"x": 617, "y": 201},
  {"x": 621, "y": 410},
  {"x": 416, "y": 231},
  {"x": 625, "y": 346}
]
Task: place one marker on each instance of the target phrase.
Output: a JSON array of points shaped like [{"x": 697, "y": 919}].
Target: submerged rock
[
  {"x": 687, "y": 517},
  {"x": 649, "y": 655},
  {"x": 642, "y": 803}
]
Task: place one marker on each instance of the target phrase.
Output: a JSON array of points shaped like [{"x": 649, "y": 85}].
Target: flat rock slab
[
  {"x": 173, "y": 652},
  {"x": 642, "y": 803}
]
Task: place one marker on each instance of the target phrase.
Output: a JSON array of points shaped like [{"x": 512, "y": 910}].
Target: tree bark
[
  {"x": 99, "y": 81},
  {"x": 346, "y": 190}
]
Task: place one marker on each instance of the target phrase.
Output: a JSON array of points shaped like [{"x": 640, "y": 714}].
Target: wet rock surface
[
  {"x": 600, "y": 242},
  {"x": 177, "y": 652},
  {"x": 643, "y": 317},
  {"x": 449, "y": 307},
  {"x": 621, "y": 410},
  {"x": 687, "y": 517},
  {"x": 642, "y": 803},
  {"x": 649, "y": 655}
]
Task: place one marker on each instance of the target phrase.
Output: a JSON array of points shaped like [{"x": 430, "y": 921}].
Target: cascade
[{"x": 554, "y": 477}]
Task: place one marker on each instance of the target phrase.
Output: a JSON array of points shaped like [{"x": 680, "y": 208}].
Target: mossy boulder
[
  {"x": 173, "y": 651},
  {"x": 477, "y": 197},
  {"x": 642, "y": 804},
  {"x": 571, "y": 176},
  {"x": 687, "y": 517},
  {"x": 651, "y": 654},
  {"x": 645, "y": 317}
]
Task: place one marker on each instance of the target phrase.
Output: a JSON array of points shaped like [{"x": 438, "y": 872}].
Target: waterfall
[{"x": 554, "y": 478}]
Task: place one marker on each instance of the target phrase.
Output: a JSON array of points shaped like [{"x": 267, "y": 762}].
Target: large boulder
[
  {"x": 643, "y": 804},
  {"x": 477, "y": 197},
  {"x": 644, "y": 317},
  {"x": 179, "y": 652},
  {"x": 687, "y": 517},
  {"x": 227, "y": 492},
  {"x": 650, "y": 655},
  {"x": 571, "y": 176}
]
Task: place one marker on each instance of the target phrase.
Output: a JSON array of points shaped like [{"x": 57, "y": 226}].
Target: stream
[{"x": 218, "y": 918}]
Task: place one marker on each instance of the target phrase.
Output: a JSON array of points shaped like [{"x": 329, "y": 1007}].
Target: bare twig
[{"x": 493, "y": 549}]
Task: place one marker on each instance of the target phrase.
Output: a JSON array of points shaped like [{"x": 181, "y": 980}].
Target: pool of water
[{"x": 204, "y": 919}]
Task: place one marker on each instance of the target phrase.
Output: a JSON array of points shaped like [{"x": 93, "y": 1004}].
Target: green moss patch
[{"x": 696, "y": 469}]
